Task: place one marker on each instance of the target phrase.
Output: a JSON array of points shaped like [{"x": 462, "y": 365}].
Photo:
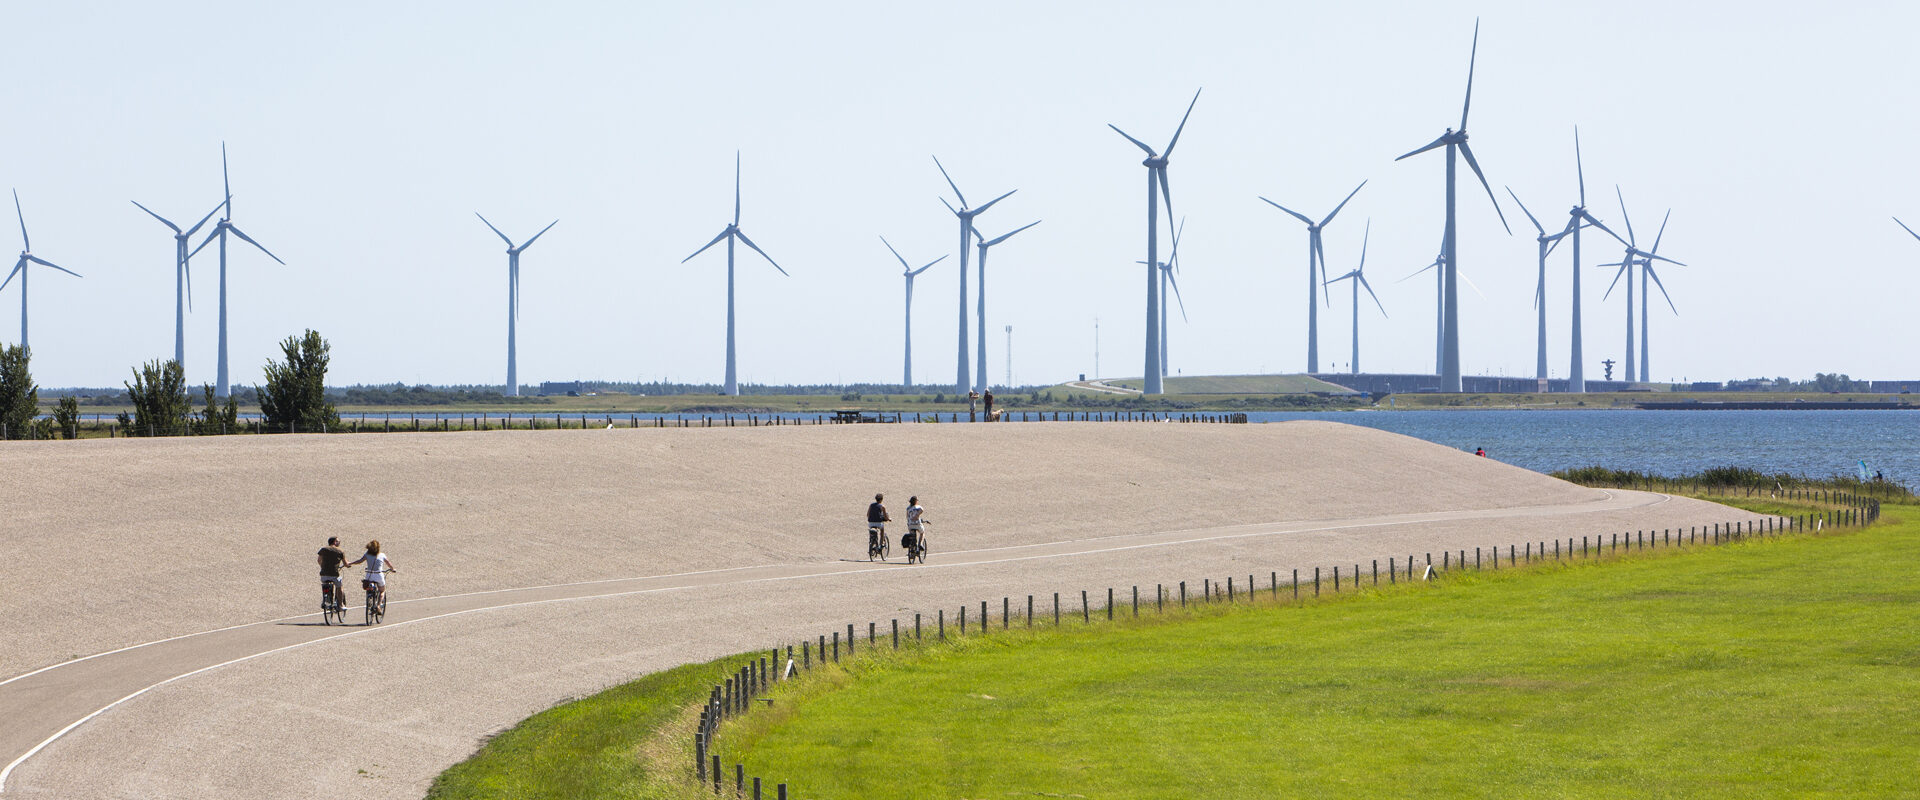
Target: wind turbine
[
  {"x": 1167, "y": 269},
  {"x": 220, "y": 231},
  {"x": 730, "y": 233},
  {"x": 1546, "y": 245},
  {"x": 910, "y": 273},
  {"x": 1156, "y": 164},
  {"x": 966, "y": 216},
  {"x": 980, "y": 295},
  {"x": 513, "y": 299},
  {"x": 1644, "y": 259},
  {"x": 1626, "y": 265},
  {"x": 1316, "y": 254},
  {"x": 20, "y": 267},
  {"x": 182, "y": 279},
  {"x": 1580, "y": 218},
  {"x": 1457, "y": 141},
  {"x": 1438, "y": 265},
  {"x": 1359, "y": 279}
]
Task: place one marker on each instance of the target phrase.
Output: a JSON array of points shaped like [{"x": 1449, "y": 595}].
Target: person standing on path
[
  {"x": 988, "y": 400},
  {"x": 971, "y": 397}
]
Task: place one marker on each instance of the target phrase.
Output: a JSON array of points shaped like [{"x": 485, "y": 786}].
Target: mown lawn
[{"x": 1786, "y": 668}]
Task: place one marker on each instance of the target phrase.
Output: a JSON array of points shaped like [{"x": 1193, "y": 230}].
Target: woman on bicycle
[
  {"x": 378, "y": 565},
  {"x": 914, "y": 531}
]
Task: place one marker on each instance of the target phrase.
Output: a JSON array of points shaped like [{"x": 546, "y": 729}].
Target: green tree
[
  {"x": 19, "y": 398},
  {"x": 159, "y": 398},
  {"x": 295, "y": 397},
  {"x": 66, "y": 416},
  {"x": 216, "y": 419}
]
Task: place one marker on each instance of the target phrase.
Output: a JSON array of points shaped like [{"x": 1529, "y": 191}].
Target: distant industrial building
[
  {"x": 1385, "y": 383},
  {"x": 569, "y": 388}
]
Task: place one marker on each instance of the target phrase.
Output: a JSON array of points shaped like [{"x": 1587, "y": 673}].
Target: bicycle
[
  {"x": 917, "y": 552},
  {"x": 333, "y": 605},
  {"x": 877, "y": 542},
  {"x": 376, "y": 601}
]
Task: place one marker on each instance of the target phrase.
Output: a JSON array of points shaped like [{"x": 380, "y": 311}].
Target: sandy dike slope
[{"x": 161, "y": 639}]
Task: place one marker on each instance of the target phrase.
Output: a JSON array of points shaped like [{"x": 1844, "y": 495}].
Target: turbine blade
[
  {"x": 763, "y": 254},
  {"x": 1623, "y": 214},
  {"x": 205, "y": 242},
  {"x": 1416, "y": 273},
  {"x": 496, "y": 231},
  {"x": 1897, "y": 221},
  {"x": 1596, "y": 223},
  {"x": 1319, "y": 249},
  {"x": 1343, "y": 204},
  {"x": 1624, "y": 265},
  {"x": 1166, "y": 192},
  {"x": 1175, "y": 283},
  {"x": 703, "y": 248},
  {"x": 1523, "y": 210},
  {"x": 226, "y": 183},
  {"x": 1663, "y": 231},
  {"x": 542, "y": 232},
  {"x": 1183, "y": 123},
  {"x": 249, "y": 240},
  {"x": 928, "y": 266},
  {"x": 45, "y": 263},
  {"x": 1009, "y": 235},
  {"x": 1173, "y": 258},
  {"x": 1472, "y": 56},
  {"x": 956, "y": 212},
  {"x": 1468, "y": 152},
  {"x": 1142, "y": 145},
  {"x": 1430, "y": 145},
  {"x": 163, "y": 220},
  {"x": 27, "y": 244},
  {"x": 1363, "y": 246},
  {"x": 896, "y": 254},
  {"x": 736, "y": 187},
  {"x": 1369, "y": 287},
  {"x": 943, "y": 174},
  {"x": 187, "y": 266},
  {"x": 989, "y": 203},
  {"x": 1296, "y": 215},
  {"x": 203, "y": 220},
  {"x": 1471, "y": 285},
  {"x": 1647, "y": 255},
  {"x": 17, "y": 266},
  {"x": 1578, "y": 168},
  {"x": 1663, "y": 290}
]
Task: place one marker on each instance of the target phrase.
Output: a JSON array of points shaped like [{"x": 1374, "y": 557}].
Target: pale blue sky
[{"x": 364, "y": 136}]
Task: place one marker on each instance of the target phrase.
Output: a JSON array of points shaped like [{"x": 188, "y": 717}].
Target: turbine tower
[
  {"x": 1644, "y": 260},
  {"x": 182, "y": 280},
  {"x": 1580, "y": 218},
  {"x": 513, "y": 299},
  {"x": 220, "y": 231},
  {"x": 1359, "y": 278},
  {"x": 1316, "y": 255},
  {"x": 1457, "y": 141},
  {"x": 1546, "y": 245},
  {"x": 1156, "y": 164},
  {"x": 980, "y": 297},
  {"x": 910, "y": 273},
  {"x": 1167, "y": 281},
  {"x": 730, "y": 233},
  {"x": 966, "y": 216},
  {"x": 20, "y": 267}
]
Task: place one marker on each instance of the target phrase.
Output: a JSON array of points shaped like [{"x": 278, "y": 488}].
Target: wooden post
[
  {"x": 1136, "y": 601},
  {"x": 1056, "y": 609},
  {"x": 1183, "y": 594},
  {"x": 1316, "y": 581},
  {"x": 1296, "y": 585},
  {"x": 1029, "y": 611},
  {"x": 943, "y": 624},
  {"x": 896, "y": 634},
  {"x": 1086, "y": 614}
]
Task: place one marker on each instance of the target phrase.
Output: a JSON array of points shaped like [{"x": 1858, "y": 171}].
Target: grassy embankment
[{"x": 1770, "y": 668}]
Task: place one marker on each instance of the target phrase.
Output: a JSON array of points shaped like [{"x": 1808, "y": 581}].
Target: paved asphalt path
[{"x": 67, "y": 724}]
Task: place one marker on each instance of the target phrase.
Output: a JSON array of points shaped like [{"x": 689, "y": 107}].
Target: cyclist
[
  {"x": 877, "y": 520},
  {"x": 377, "y": 568},
  {"x": 331, "y": 557},
  {"x": 914, "y": 514}
]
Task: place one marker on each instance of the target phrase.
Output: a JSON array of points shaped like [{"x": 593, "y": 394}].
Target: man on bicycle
[
  {"x": 877, "y": 520},
  {"x": 331, "y": 557}
]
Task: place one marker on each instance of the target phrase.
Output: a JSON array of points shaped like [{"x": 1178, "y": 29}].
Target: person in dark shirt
[
  {"x": 877, "y": 520},
  {"x": 331, "y": 557}
]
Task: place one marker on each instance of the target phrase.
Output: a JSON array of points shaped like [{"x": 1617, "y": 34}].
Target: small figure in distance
[
  {"x": 377, "y": 568},
  {"x": 914, "y": 518},
  {"x": 987, "y": 400},
  {"x": 971, "y": 397},
  {"x": 1480, "y": 451},
  {"x": 331, "y": 557},
  {"x": 877, "y": 520}
]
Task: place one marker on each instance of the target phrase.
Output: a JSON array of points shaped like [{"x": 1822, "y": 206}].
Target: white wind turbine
[
  {"x": 1156, "y": 164},
  {"x": 1576, "y": 371},
  {"x": 182, "y": 279},
  {"x": 1359, "y": 278},
  {"x": 1439, "y": 300},
  {"x": 909, "y": 273},
  {"x": 20, "y": 267},
  {"x": 1167, "y": 281},
  {"x": 513, "y": 300},
  {"x": 980, "y": 295},
  {"x": 220, "y": 231},
  {"x": 730, "y": 233},
  {"x": 1316, "y": 272},
  {"x": 1546, "y": 245},
  {"x": 1643, "y": 259},
  {"x": 1456, "y": 140},
  {"x": 966, "y": 216}
]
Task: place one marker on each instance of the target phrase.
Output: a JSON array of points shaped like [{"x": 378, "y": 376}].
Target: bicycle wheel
[
  {"x": 373, "y": 606},
  {"x": 383, "y": 606}
]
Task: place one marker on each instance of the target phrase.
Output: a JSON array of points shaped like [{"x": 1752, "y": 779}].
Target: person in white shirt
[
  {"x": 378, "y": 565},
  {"x": 914, "y": 514}
]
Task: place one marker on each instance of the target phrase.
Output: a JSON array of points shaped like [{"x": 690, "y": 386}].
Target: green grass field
[{"x": 1782, "y": 668}]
